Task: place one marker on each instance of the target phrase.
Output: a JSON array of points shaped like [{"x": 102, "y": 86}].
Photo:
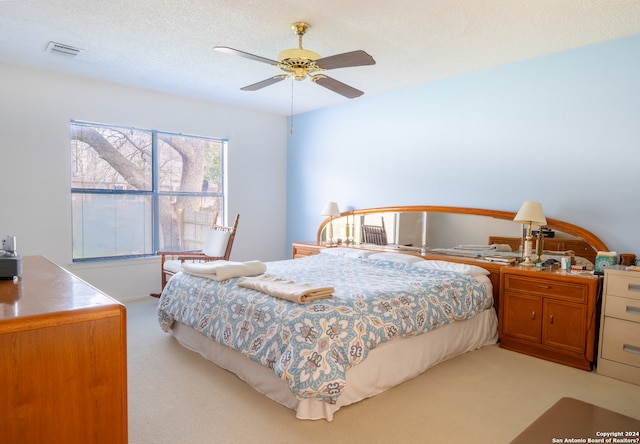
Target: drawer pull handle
[
  {"x": 631, "y": 349},
  {"x": 546, "y": 287},
  {"x": 533, "y": 315},
  {"x": 634, "y": 287},
  {"x": 633, "y": 310},
  {"x": 551, "y": 319}
]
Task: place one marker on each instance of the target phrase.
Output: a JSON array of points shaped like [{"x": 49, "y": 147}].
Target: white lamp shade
[
  {"x": 531, "y": 212},
  {"x": 330, "y": 209}
]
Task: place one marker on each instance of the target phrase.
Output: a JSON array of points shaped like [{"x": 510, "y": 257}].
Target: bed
[{"x": 391, "y": 317}]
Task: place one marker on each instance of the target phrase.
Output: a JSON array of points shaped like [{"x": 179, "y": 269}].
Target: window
[{"x": 136, "y": 191}]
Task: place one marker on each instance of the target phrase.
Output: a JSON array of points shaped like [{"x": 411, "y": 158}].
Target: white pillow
[
  {"x": 396, "y": 257},
  {"x": 346, "y": 252},
  {"x": 215, "y": 242},
  {"x": 471, "y": 270}
]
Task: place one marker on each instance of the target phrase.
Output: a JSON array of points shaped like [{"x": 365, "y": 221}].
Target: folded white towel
[
  {"x": 284, "y": 289},
  {"x": 222, "y": 270}
]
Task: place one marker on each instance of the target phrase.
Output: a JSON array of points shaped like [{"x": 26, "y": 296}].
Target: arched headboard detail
[{"x": 554, "y": 224}]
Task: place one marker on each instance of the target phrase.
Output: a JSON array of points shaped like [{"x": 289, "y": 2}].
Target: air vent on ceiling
[{"x": 59, "y": 48}]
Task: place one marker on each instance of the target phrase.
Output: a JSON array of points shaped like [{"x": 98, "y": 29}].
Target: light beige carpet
[{"x": 486, "y": 396}]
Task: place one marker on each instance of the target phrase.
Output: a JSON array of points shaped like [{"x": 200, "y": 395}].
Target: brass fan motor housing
[{"x": 298, "y": 61}]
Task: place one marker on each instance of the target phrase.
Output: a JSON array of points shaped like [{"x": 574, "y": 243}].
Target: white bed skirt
[{"x": 386, "y": 366}]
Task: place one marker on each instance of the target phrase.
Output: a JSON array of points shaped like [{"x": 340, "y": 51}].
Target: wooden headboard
[{"x": 574, "y": 231}]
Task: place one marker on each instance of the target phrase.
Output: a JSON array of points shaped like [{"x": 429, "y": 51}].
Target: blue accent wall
[{"x": 563, "y": 129}]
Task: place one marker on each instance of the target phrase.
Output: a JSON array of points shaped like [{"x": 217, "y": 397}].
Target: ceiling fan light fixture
[
  {"x": 299, "y": 74},
  {"x": 298, "y": 53}
]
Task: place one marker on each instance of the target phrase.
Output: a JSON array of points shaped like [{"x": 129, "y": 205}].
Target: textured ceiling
[{"x": 166, "y": 45}]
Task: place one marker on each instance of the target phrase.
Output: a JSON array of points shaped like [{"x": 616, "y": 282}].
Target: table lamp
[
  {"x": 530, "y": 213},
  {"x": 330, "y": 209}
]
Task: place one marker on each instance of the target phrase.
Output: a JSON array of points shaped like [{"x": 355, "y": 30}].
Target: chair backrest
[
  {"x": 193, "y": 227},
  {"x": 374, "y": 234},
  {"x": 219, "y": 240}
]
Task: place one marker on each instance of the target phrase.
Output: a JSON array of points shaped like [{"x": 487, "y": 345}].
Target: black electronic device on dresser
[{"x": 10, "y": 260}]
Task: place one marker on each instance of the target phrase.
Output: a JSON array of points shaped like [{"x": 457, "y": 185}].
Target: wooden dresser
[
  {"x": 63, "y": 365},
  {"x": 552, "y": 315},
  {"x": 619, "y": 351}
]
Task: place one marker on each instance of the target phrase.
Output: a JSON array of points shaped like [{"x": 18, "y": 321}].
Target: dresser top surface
[
  {"x": 621, "y": 270},
  {"x": 554, "y": 273},
  {"x": 46, "y": 288}
]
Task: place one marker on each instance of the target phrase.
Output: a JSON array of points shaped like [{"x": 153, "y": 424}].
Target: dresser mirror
[{"x": 436, "y": 228}]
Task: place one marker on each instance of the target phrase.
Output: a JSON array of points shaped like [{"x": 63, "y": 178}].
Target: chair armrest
[{"x": 175, "y": 253}]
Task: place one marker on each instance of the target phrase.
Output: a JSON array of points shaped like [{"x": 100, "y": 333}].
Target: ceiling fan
[{"x": 299, "y": 63}]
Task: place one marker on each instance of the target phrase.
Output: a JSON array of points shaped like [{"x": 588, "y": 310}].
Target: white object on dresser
[{"x": 619, "y": 351}]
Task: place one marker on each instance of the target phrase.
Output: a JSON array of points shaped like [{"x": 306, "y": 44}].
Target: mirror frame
[{"x": 554, "y": 224}]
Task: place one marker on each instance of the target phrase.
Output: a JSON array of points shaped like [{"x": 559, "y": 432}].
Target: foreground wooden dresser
[{"x": 63, "y": 369}]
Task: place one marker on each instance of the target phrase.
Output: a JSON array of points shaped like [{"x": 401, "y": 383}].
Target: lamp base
[{"x": 527, "y": 250}]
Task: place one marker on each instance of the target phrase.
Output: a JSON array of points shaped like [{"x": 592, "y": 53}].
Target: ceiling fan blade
[
  {"x": 246, "y": 55},
  {"x": 264, "y": 83},
  {"x": 345, "y": 60},
  {"x": 337, "y": 86}
]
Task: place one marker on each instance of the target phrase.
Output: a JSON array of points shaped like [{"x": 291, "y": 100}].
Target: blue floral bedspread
[{"x": 311, "y": 346}]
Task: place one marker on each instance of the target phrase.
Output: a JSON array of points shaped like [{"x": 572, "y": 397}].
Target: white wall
[
  {"x": 562, "y": 129},
  {"x": 35, "y": 110}
]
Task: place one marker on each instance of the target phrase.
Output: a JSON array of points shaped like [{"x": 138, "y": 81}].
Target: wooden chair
[
  {"x": 217, "y": 246},
  {"x": 374, "y": 234}
]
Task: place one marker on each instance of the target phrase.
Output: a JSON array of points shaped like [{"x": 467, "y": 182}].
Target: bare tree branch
[{"x": 127, "y": 169}]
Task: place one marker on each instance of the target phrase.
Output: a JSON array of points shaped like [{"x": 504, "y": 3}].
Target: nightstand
[
  {"x": 302, "y": 249},
  {"x": 549, "y": 314},
  {"x": 619, "y": 350}
]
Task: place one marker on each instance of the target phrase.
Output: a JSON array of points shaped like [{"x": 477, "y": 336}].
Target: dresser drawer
[
  {"x": 627, "y": 285},
  {"x": 622, "y": 308},
  {"x": 621, "y": 341},
  {"x": 546, "y": 287}
]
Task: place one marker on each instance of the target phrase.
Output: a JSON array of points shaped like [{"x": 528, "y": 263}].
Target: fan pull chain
[{"x": 291, "y": 128}]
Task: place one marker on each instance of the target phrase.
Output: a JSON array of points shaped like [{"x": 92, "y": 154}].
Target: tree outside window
[{"x": 138, "y": 191}]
